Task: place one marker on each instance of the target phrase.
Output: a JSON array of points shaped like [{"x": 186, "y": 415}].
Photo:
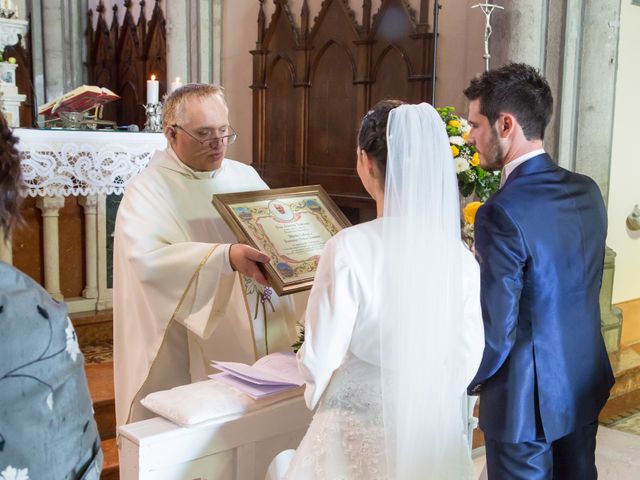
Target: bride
[{"x": 393, "y": 328}]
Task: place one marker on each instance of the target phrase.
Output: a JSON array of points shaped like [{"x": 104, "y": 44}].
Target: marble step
[
  {"x": 100, "y": 379},
  {"x": 625, "y": 394},
  {"x": 110, "y": 466}
]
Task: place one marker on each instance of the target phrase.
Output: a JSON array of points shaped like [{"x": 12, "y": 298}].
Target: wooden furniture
[
  {"x": 123, "y": 57},
  {"x": 313, "y": 83}
]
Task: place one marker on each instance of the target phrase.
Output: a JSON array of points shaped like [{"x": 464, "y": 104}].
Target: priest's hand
[{"x": 245, "y": 259}]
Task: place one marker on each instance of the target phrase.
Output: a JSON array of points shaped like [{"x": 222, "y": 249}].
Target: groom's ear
[{"x": 506, "y": 125}]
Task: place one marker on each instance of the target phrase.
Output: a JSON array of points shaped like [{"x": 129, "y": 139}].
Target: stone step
[
  {"x": 625, "y": 394},
  {"x": 110, "y": 466},
  {"x": 100, "y": 379}
]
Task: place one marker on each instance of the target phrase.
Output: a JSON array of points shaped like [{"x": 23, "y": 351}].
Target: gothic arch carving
[
  {"x": 122, "y": 58},
  {"x": 327, "y": 103}
]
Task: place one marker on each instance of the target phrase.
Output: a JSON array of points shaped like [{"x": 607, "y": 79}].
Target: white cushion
[{"x": 207, "y": 400}]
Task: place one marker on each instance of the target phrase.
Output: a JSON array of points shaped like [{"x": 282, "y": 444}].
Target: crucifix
[{"x": 487, "y": 9}]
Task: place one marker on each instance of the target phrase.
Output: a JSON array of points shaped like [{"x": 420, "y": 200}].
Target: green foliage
[{"x": 472, "y": 179}]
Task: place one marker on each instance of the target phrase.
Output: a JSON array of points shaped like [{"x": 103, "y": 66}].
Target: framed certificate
[{"x": 291, "y": 225}]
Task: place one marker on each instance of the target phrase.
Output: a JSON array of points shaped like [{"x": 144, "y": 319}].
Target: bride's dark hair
[
  {"x": 373, "y": 133},
  {"x": 10, "y": 181}
]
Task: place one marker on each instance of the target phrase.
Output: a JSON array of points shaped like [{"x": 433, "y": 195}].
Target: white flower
[
  {"x": 11, "y": 473},
  {"x": 461, "y": 165},
  {"x": 72, "y": 342},
  {"x": 464, "y": 125},
  {"x": 50, "y": 401},
  {"x": 456, "y": 140}
]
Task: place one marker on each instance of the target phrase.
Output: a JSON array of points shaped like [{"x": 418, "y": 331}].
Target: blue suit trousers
[{"x": 571, "y": 457}]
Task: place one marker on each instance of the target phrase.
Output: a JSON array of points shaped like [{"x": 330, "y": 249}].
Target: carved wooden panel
[
  {"x": 280, "y": 139},
  {"x": 314, "y": 80},
  {"x": 123, "y": 57}
]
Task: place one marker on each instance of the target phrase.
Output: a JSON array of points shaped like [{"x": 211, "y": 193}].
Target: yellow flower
[
  {"x": 475, "y": 160},
  {"x": 465, "y": 136},
  {"x": 455, "y": 151},
  {"x": 470, "y": 211},
  {"x": 454, "y": 123}
]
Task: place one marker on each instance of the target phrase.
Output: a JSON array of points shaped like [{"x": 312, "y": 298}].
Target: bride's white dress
[{"x": 340, "y": 357}]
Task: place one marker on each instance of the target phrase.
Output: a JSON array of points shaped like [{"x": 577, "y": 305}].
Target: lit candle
[
  {"x": 175, "y": 85},
  {"x": 153, "y": 89}
]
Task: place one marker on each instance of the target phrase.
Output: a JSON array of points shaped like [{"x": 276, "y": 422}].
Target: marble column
[
  {"x": 519, "y": 33},
  {"x": 104, "y": 301},
  {"x": 57, "y": 28},
  {"x": 90, "y": 206},
  {"x": 574, "y": 43},
  {"x": 194, "y": 40},
  {"x": 50, "y": 207}
]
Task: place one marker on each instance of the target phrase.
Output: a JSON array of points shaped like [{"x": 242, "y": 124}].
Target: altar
[{"x": 93, "y": 166}]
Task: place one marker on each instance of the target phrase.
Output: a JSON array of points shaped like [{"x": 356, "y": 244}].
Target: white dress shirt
[{"x": 511, "y": 166}]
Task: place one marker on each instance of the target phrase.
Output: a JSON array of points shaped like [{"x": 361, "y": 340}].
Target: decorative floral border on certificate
[{"x": 285, "y": 211}]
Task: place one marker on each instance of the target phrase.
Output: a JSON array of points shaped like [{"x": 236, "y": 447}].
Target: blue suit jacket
[{"x": 540, "y": 242}]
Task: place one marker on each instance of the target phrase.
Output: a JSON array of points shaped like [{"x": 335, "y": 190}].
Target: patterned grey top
[{"x": 47, "y": 430}]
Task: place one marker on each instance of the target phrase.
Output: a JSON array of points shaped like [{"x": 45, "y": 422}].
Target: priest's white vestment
[{"x": 177, "y": 304}]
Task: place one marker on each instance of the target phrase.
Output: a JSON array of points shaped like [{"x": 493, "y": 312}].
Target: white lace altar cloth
[{"x": 58, "y": 163}]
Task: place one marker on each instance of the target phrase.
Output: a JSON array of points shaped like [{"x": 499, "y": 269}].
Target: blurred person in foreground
[{"x": 47, "y": 429}]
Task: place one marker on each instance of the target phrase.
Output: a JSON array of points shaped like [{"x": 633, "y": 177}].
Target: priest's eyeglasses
[{"x": 209, "y": 140}]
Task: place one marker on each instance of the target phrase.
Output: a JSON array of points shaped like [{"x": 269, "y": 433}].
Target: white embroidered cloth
[{"x": 59, "y": 163}]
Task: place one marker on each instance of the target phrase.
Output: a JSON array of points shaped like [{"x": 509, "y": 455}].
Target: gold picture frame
[{"x": 291, "y": 225}]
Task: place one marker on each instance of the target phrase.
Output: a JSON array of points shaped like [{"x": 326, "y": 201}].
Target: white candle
[
  {"x": 153, "y": 90},
  {"x": 175, "y": 85}
]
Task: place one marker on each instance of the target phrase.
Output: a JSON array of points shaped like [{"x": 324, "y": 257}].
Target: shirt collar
[
  {"x": 190, "y": 171},
  {"x": 511, "y": 166}
]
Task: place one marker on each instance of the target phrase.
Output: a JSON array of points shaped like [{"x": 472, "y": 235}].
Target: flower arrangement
[{"x": 472, "y": 179}]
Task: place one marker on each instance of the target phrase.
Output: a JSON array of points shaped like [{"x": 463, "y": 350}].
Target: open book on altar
[
  {"x": 271, "y": 374},
  {"x": 79, "y": 99}
]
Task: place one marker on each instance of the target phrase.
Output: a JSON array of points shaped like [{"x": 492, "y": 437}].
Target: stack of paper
[{"x": 272, "y": 374}]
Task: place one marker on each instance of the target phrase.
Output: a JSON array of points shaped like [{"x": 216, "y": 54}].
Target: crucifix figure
[{"x": 487, "y": 9}]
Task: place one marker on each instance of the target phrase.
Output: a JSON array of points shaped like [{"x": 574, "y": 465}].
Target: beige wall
[
  {"x": 459, "y": 55},
  {"x": 624, "y": 186}
]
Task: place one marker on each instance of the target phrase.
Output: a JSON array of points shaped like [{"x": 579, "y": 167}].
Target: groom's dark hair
[
  {"x": 518, "y": 89},
  {"x": 372, "y": 137}
]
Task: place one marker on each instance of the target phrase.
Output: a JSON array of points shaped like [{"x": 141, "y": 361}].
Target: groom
[{"x": 540, "y": 240}]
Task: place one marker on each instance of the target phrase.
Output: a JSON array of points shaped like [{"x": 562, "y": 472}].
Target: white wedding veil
[{"x": 423, "y": 382}]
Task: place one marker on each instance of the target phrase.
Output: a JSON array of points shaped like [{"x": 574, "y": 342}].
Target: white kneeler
[{"x": 236, "y": 445}]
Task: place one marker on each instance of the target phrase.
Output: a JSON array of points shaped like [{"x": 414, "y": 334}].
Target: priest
[{"x": 185, "y": 292}]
